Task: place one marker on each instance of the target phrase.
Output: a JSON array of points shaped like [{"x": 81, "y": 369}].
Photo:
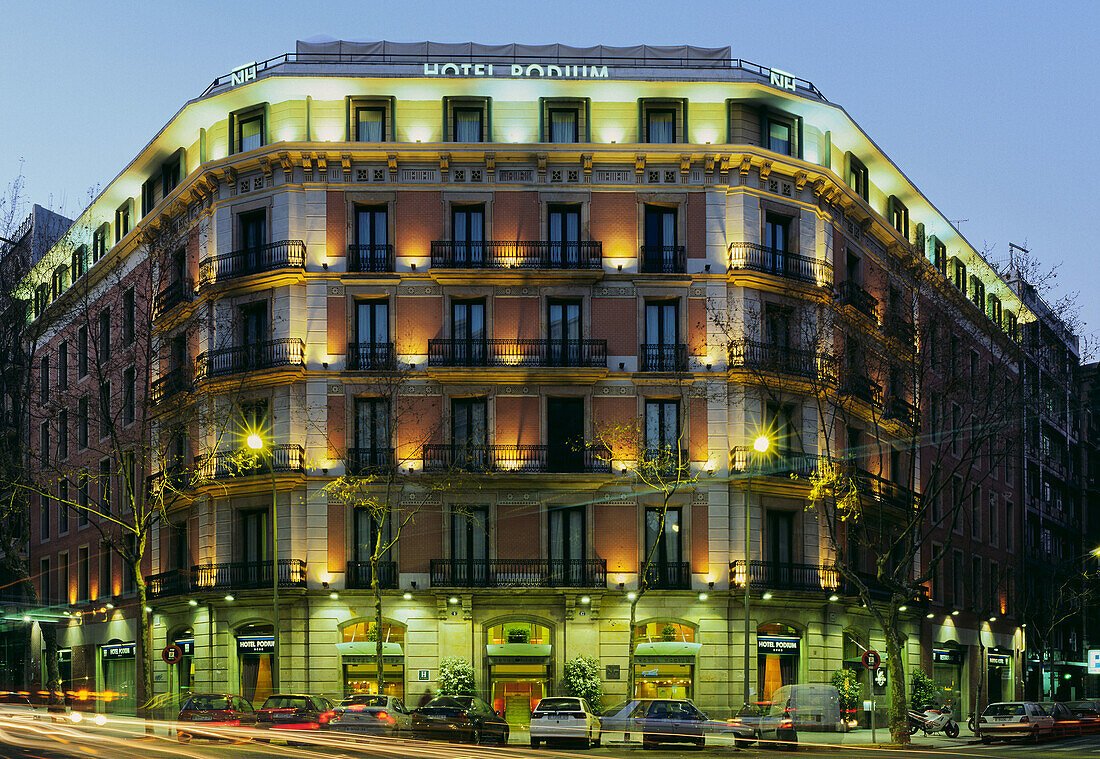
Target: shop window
[
  {"x": 664, "y": 631},
  {"x": 360, "y": 668},
  {"x": 118, "y": 663},
  {"x": 777, "y": 658},
  {"x": 947, "y": 674},
  {"x": 520, "y": 667},
  {"x": 660, "y": 674}
]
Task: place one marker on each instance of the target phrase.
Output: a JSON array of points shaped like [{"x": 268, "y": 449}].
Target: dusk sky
[{"x": 984, "y": 105}]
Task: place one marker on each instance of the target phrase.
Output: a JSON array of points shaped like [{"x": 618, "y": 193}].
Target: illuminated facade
[{"x": 530, "y": 245}]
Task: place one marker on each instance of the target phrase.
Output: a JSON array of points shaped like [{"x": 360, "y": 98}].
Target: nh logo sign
[
  {"x": 247, "y": 73},
  {"x": 782, "y": 80}
]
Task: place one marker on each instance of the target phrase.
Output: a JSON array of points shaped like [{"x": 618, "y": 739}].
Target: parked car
[
  {"x": 564, "y": 719},
  {"x": 202, "y": 711},
  {"x": 19, "y": 706},
  {"x": 662, "y": 720},
  {"x": 1014, "y": 719},
  {"x": 293, "y": 711},
  {"x": 1086, "y": 711},
  {"x": 459, "y": 718},
  {"x": 755, "y": 717},
  {"x": 1065, "y": 721},
  {"x": 374, "y": 715}
]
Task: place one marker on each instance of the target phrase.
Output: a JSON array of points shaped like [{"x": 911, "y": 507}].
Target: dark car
[
  {"x": 214, "y": 716},
  {"x": 374, "y": 715},
  {"x": 1065, "y": 721},
  {"x": 459, "y": 718},
  {"x": 673, "y": 721},
  {"x": 755, "y": 717},
  {"x": 1086, "y": 711},
  {"x": 294, "y": 711}
]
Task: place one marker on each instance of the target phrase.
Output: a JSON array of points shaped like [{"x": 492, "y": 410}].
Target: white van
[{"x": 814, "y": 708}]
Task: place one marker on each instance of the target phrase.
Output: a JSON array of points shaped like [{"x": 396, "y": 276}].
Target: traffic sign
[
  {"x": 171, "y": 654},
  {"x": 871, "y": 659}
]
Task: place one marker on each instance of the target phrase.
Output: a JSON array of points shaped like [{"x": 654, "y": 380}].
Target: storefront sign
[
  {"x": 772, "y": 645},
  {"x": 946, "y": 656},
  {"x": 260, "y": 644},
  {"x": 533, "y": 70},
  {"x": 386, "y": 660},
  {"x": 517, "y": 659},
  {"x": 999, "y": 660},
  {"x": 664, "y": 659},
  {"x": 187, "y": 645},
  {"x": 612, "y": 672},
  {"x": 117, "y": 651},
  {"x": 1094, "y": 661},
  {"x": 424, "y": 675}
]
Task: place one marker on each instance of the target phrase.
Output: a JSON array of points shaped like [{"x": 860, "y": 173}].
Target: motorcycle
[{"x": 933, "y": 720}]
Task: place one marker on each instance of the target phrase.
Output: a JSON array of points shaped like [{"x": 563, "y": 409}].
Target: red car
[
  {"x": 295, "y": 711},
  {"x": 212, "y": 716}
]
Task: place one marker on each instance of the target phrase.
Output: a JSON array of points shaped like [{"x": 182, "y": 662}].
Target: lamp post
[
  {"x": 760, "y": 445},
  {"x": 256, "y": 443}
]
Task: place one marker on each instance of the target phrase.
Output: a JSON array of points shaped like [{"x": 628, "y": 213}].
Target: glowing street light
[
  {"x": 256, "y": 443},
  {"x": 760, "y": 445}
]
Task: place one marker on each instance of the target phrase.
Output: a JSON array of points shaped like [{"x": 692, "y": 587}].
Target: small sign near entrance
[
  {"x": 611, "y": 672},
  {"x": 424, "y": 675},
  {"x": 171, "y": 654},
  {"x": 879, "y": 679},
  {"x": 871, "y": 659}
]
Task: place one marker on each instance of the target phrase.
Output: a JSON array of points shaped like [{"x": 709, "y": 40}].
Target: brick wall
[{"x": 419, "y": 220}]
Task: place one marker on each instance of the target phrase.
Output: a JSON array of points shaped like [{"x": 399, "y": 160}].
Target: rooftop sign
[{"x": 545, "y": 71}]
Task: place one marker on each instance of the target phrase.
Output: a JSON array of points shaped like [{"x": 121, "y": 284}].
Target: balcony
[
  {"x": 179, "y": 292},
  {"x": 876, "y": 489},
  {"x": 518, "y": 573},
  {"x": 899, "y": 328},
  {"x": 861, "y": 387},
  {"x": 174, "y": 582},
  {"x": 776, "y": 464},
  {"x": 373, "y": 259},
  {"x": 175, "y": 381},
  {"x": 663, "y": 259},
  {"x": 248, "y": 463},
  {"x": 662, "y": 357},
  {"x": 248, "y": 575},
  {"x": 862, "y": 301},
  {"x": 794, "y": 362},
  {"x": 517, "y": 254},
  {"x": 513, "y": 458},
  {"x": 748, "y": 256},
  {"x": 369, "y": 461},
  {"x": 272, "y": 354},
  {"x": 371, "y": 357},
  {"x": 669, "y": 575},
  {"x": 285, "y": 254},
  {"x": 901, "y": 410},
  {"x": 770, "y": 575},
  {"x": 517, "y": 353},
  {"x": 358, "y": 575}
]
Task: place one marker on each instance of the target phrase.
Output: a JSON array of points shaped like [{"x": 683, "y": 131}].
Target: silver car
[{"x": 372, "y": 715}]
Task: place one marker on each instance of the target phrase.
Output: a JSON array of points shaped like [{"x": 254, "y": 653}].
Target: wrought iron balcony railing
[
  {"x": 518, "y": 573},
  {"x": 861, "y": 387},
  {"x": 179, "y": 292},
  {"x": 373, "y": 259},
  {"x": 775, "y": 575},
  {"x": 245, "y": 575},
  {"x": 663, "y": 259},
  {"x": 748, "y": 256},
  {"x": 875, "y": 489},
  {"x": 358, "y": 575},
  {"x": 519, "y": 353},
  {"x": 284, "y": 254},
  {"x": 517, "y": 254},
  {"x": 855, "y": 296},
  {"x": 662, "y": 357},
  {"x": 175, "y": 381},
  {"x": 369, "y": 461},
  {"x": 669, "y": 575},
  {"x": 796, "y": 362},
  {"x": 371, "y": 357},
  {"x": 248, "y": 463},
  {"x": 900, "y": 328},
  {"x": 901, "y": 410},
  {"x": 513, "y": 458},
  {"x": 289, "y": 351},
  {"x": 174, "y": 582},
  {"x": 776, "y": 463}
]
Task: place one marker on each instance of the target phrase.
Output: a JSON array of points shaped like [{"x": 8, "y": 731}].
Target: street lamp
[
  {"x": 760, "y": 445},
  {"x": 256, "y": 443}
]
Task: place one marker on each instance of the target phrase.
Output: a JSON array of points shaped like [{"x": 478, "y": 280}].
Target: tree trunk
[
  {"x": 977, "y": 708},
  {"x": 899, "y": 710},
  {"x": 52, "y": 663},
  {"x": 144, "y": 694},
  {"x": 376, "y": 586}
]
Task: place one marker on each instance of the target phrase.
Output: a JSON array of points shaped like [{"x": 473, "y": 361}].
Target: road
[{"x": 47, "y": 741}]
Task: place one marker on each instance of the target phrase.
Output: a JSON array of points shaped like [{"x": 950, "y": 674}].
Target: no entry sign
[
  {"x": 871, "y": 659},
  {"x": 171, "y": 654}
]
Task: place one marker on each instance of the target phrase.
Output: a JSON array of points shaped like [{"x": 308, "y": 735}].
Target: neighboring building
[
  {"x": 551, "y": 240},
  {"x": 1090, "y": 474}
]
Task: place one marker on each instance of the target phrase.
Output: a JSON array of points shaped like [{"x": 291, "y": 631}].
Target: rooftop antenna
[{"x": 956, "y": 223}]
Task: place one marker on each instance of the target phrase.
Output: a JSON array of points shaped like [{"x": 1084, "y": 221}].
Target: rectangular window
[
  {"x": 63, "y": 498},
  {"x": 43, "y": 523},
  {"x": 468, "y": 330},
  {"x": 470, "y": 540},
  {"x": 82, "y": 352},
  {"x": 662, "y": 426},
  {"x": 566, "y": 542},
  {"x": 250, "y": 132},
  {"x": 44, "y": 443},
  {"x": 370, "y": 124},
  {"x": 44, "y": 379},
  {"x": 977, "y": 584},
  {"x": 565, "y": 234},
  {"x": 129, "y": 476},
  {"x": 994, "y": 591},
  {"x": 104, "y": 409},
  {"x": 959, "y": 275},
  {"x": 84, "y": 500},
  {"x": 777, "y": 229},
  {"x": 82, "y": 580},
  {"x": 993, "y": 521},
  {"x": 660, "y": 126},
  {"x": 122, "y": 221},
  {"x": 99, "y": 243},
  {"x": 63, "y": 577},
  {"x": 82, "y": 422},
  {"x": 253, "y": 324},
  {"x": 129, "y": 317},
  {"x": 779, "y": 136},
  {"x": 128, "y": 573},
  {"x": 63, "y": 434},
  {"x": 106, "y": 587},
  {"x": 977, "y": 292},
  {"x": 956, "y": 501},
  {"x": 939, "y": 256},
  {"x": 957, "y": 579},
  {"x": 369, "y": 534},
  {"x": 467, "y": 125},
  {"x": 564, "y": 332},
  {"x": 105, "y": 485},
  {"x": 858, "y": 177},
  {"x": 372, "y": 428},
  {"x": 371, "y": 251},
  {"x": 660, "y": 253},
  {"x": 563, "y": 125},
  {"x": 468, "y": 423},
  {"x": 468, "y": 233},
  {"x": 63, "y": 365},
  {"x": 129, "y": 385},
  {"x": 104, "y": 344},
  {"x": 899, "y": 216},
  {"x": 78, "y": 263},
  {"x": 372, "y": 330},
  {"x": 668, "y": 540},
  {"x": 956, "y": 427},
  {"x": 44, "y": 584}
]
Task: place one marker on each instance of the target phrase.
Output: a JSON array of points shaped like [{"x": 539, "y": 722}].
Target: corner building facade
[{"x": 533, "y": 256}]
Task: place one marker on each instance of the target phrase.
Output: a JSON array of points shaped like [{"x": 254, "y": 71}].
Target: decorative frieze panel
[{"x": 623, "y": 291}]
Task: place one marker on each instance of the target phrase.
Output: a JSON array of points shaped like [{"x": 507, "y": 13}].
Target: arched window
[
  {"x": 358, "y": 632},
  {"x": 666, "y": 631}
]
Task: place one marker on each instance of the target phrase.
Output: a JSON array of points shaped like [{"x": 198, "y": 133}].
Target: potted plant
[
  {"x": 581, "y": 678},
  {"x": 850, "y": 690},
  {"x": 668, "y": 632},
  {"x": 518, "y": 635},
  {"x": 456, "y": 677}
]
